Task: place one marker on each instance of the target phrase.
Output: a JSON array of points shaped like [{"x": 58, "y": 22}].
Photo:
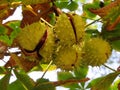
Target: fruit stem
[
  {"x": 109, "y": 68},
  {"x": 47, "y": 68}
]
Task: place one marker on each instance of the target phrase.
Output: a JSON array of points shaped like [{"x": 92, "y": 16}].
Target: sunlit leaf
[
  {"x": 44, "y": 66},
  {"x": 82, "y": 1},
  {"x": 115, "y": 85}
]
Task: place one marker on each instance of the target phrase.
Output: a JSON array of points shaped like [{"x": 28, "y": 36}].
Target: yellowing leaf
[
  {"x": 110, "y": 14},
  {"x": 44, "y": 66},
  {"x": 23, "y": 62}
]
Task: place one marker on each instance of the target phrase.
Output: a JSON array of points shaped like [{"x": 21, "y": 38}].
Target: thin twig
[
  {"x": 109, "y": 68},
  {"x": 92, "y": 22},
  {"x": 46, "y": 22},
  {"x": 47, "y": 68}
]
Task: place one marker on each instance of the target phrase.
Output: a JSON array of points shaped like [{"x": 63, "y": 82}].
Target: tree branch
[{"x": 62, "y": 82}]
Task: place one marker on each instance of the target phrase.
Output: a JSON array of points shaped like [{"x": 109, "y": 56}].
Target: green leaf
[
  {"x": 2, "y": 70},
  {"x": 64, "y": 75},
  {"x": 86, "y": 8},
  {"x": 103, "y": 83},
  {"x": 116, "y": 45},
  {"x": 81, "y": 72},
  {"x": 3, "y": 30},
  {"x": 16, "y": 85},
  {"x": 15, "y": 25},
  {"x": 44, "y": 84},
  {"x": 42, "y": 80},
  {"x": 6, "y": 39},
  {"x": 67, "y": 76},
  {"x": 93, "y": 32},
  {"x": 112, "y": 37},
  {"x": 52, "y": 19},
  {"x": 4, "y": 82},
  {"x": 26, "y": 81},
  {"x": 72, "y": 6},
  {"x": 61, "y": 5}
]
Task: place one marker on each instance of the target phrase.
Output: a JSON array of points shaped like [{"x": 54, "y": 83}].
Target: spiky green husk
[
  {"x": 30, "y": 35},
  {"x": 48, "y": 47},
  {"x": 64, "y": 31},
  {"x": 96, "y": 52},
  {"x": 67, "y": 58},
  {"x": 79, "y": 24}
]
